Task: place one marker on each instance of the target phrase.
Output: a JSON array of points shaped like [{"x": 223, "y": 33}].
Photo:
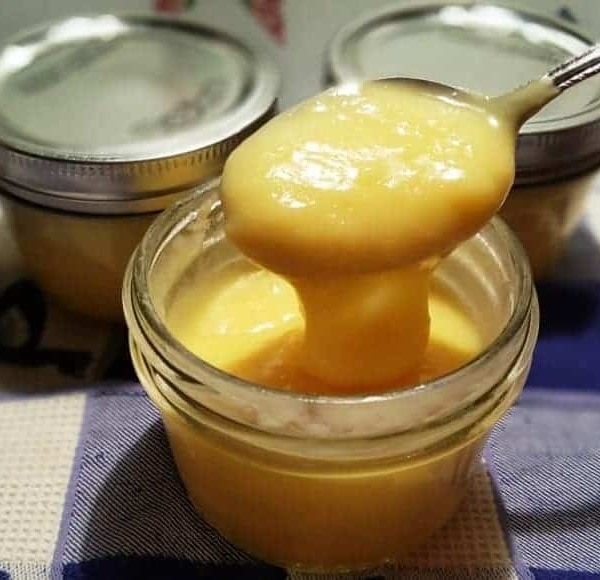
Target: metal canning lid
[
  {"x": 116, "y": 114},
  {"x": 489, "y": 49}
]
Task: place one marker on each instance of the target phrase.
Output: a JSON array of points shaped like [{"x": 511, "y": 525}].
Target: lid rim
[
  {"x": 551, "y": 172},
  {"x": 54, "y": 182},
  {"x": 93, "y": 207}
]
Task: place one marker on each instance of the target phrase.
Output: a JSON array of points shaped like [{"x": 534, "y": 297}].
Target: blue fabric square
[
  {"x": 547, "y": 463},
  {"x": 566, "y": 355},
  {"x": 163, "y": 568},
  {"x": 541, "y": 574},
  {"x": 127, "y": 511}
]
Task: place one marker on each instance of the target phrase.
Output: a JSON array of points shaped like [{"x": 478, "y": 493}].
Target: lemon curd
[
  {"x": 319, "y": 482},
  {"x": 354, "y": 196},
  {"x": 337, "y": 288},
  {"x": 318, "y": 515},
  {"x": 248, "y": 321}
]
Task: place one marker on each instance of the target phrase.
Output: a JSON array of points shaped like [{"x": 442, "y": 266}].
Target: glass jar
[
  {"x": 106, "y": 120},
  {"x": 548, "y": 211},
  {"x": 78, "y": 260},
  {"x": 493, "y": 49},
  {"x": 326, "y": 483}
]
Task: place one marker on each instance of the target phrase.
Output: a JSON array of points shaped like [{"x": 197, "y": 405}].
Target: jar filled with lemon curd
[
  {"x": 491, "y": 49},
  {"x": 105, "y": 120},
  {"x": 323, "y": 482}
]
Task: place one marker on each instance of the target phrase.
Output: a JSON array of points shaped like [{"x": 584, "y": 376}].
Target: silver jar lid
[
  {"x": 117, "y": 114},
  {"x": 489, "y": 49}
]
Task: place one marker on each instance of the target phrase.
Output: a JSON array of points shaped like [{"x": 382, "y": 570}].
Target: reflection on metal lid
[
  {"x": 484, "y": 48},
  {"x": 104, "y": 100}
]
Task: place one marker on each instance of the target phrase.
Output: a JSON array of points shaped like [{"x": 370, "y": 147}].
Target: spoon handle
[
  {"x": 576, "y": 69},
  {"x": 525, "y": 101}
]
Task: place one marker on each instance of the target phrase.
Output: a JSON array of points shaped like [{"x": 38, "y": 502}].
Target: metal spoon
[{"x": 525, "y": 101}]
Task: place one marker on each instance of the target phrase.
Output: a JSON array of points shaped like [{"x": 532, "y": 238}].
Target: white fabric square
[{"x": 38, "y": 441}]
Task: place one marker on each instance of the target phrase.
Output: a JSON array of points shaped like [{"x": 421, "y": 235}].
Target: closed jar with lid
[
  {"x": 492, "y": 49},
  {"x": 314, "y": 482},
  {"x": 105, "y": 120}
]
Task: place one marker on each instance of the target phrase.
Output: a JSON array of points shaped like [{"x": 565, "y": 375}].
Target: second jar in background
[{"x": 104, "y": 122}]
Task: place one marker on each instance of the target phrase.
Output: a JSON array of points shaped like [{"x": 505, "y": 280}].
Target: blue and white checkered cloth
[{"x": 88, "y": 488}]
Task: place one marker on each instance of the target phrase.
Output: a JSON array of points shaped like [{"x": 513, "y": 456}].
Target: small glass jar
[
  {"x": 105, "y": 120},
  {"x": 493, "y": 49},
  {"x": 325, "y": 483}
]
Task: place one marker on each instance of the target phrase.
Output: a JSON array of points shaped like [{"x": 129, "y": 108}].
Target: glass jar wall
[{"x": 319, "y": 482}]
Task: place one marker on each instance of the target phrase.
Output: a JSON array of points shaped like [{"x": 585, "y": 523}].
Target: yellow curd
[
  {"x": 354, "y": 196},
  {"x": 311, "y": 481},
  {"x": 248, "y": 322},
  {"x": 319, "y": 515},
  {"x": 347, "y": 210}
]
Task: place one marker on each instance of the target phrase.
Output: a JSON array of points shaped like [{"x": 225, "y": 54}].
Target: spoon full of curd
[{"x": 356, "y": 194}]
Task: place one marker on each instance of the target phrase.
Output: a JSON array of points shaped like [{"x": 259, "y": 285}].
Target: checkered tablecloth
[{"x": 88, "y": 489}]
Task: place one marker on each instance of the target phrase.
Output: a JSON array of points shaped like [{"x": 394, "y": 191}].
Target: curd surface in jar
[
  {"x": 248, "y": 321},
  {"x": 297, "y": 510}
]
